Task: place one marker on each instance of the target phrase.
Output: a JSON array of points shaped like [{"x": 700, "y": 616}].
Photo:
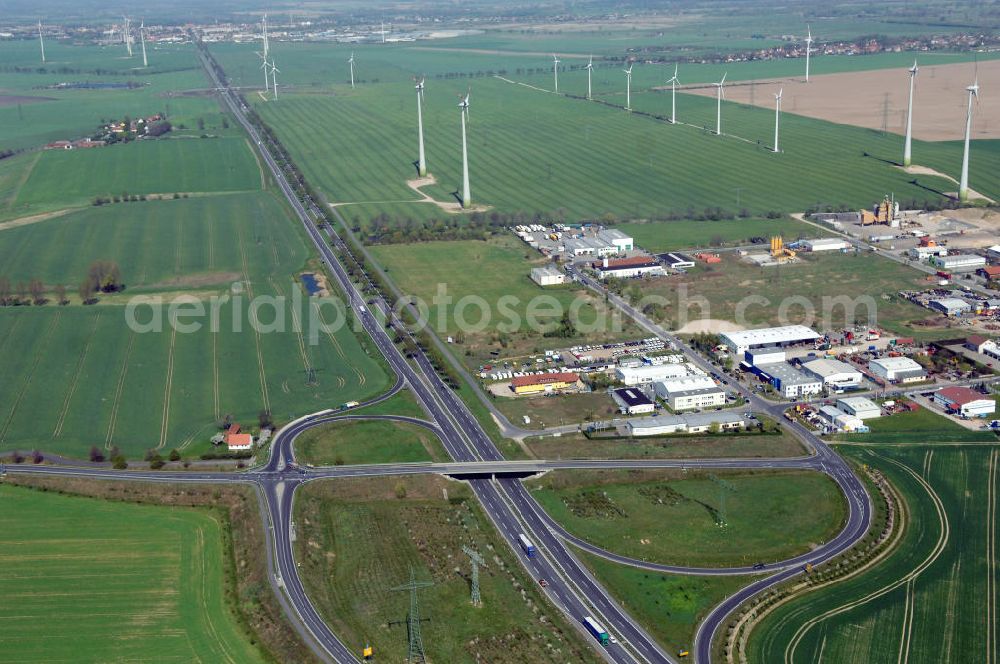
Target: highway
[
  {"x": 493, "y": 479},
  {"x": 571, "y": 587}
]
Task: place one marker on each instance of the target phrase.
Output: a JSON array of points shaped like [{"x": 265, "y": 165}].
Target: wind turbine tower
[
  {"x": 41, "y": 41},
  {"x": 128, "y": 36},
  {"x": 590, "y": 71},
  {"x": 466, "y": 192},
  {"x": 350, "y": 61},
  {"x": 628, "y": 88},
  {"x": 264, "y": 65},
  {"x": 719, "y": 94},
  {"x": 809, "y": 43},
  {"x": 777, "y": 117},
  {"x": 963, "y": 187},
  {"x": 142, "y": 38},
  {"x": 673, "y": 96},
  {"x": 421, "y": 162},
  {"x": 555, "y": 70},
  {"x": 263, "y": 27},
  {"x": 274, "y": 77},
  {"x": 909, "y": 119},
  {"x": 383, "y": 31}
]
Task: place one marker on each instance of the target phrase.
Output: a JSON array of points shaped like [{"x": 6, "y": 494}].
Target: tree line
[{"x": 103, "y": 276}]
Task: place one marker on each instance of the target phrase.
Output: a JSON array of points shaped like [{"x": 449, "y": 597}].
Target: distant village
[{"x": 118, "y": 131}]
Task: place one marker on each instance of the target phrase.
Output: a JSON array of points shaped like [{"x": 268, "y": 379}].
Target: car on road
[
  {"x": 613, "y": 639},
  {"x": 758, "y": 566},
  {"x": 543, "y": 583}
]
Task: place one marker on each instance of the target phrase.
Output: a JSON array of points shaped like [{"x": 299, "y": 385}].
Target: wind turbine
[
  {"x": 274, "y": 78},
  {"x": 809, "y": 43},
  {"x": 142, "y": 38},
  {"x": 263, "y": 27},
  {"x": 41, "y": 42},
  {"x": 777, "y": 115},
  {"x": 555, "y": 70},
  {"x": 628, "y": 87},
  {"x": 350, "y": 61},
  {"x": 673, "y": 96},
  {"x": 909, "y": 118},
  {"x": 421, "y": 162},
  {"x": 264, "y": 65},
  {"x": 590, "y": 70},
  {"x": 963, "y": 187},
  {"x": 719, "y": 94},
  {"x": 128, "y": 36},
  {"x": 383, "y": 31},
  {"x": 466, "y": 193}
]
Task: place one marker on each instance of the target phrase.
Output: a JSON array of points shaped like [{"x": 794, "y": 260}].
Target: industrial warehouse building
[
  {"x": 651, "y": 373},
  {"x": 691, "y": 423},
  {"x": 547, "y": 275},
  {"x": 676, "y": 261},
  {"x": 788, "y": 381},
  {"x": 632, "y": 401},
  {"x": 860, "y": 407},
  {"x": 843, "y": 421},
  {"x": 965, "y": 402},
  {"x": 825, "y": 244},
  {"x": 788, "y": 335},
  {"x": 624, "y": 268},
  {"x": 767, "y": 355},
  {"x": 690, "y": 392},
  {"x": 621, "y": 242},
  {"x": 950, "y": 306},
  {"x": 834, "y": 373},
  {"x": 959, "y": 262},
  {"x": 545, "y": 382},
  {"x": 897, "y": 370}
]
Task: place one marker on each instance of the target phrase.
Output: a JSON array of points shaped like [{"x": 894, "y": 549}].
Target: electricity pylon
[
  {"x": 476, "y": 560},
  {"x": 724, "y": 486},
  {"x": 415, "y": 650}
]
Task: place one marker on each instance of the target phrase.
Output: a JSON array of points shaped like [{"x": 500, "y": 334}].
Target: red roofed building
[
  {"x": 990, "y": 271},
  {"x": 236, "y": 441},
  {"x": 965, "y": 402},
  {"x": 547, "y": 382}
]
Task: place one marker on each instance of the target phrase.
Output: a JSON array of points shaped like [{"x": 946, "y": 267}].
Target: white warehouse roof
[
  {"x": 825, "y": 368},
  {"x": 769, "y": 336},
  {"x": 896, "y": 364}
]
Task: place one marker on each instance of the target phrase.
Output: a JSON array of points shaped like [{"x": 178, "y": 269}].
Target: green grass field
[
  {"x": 490, "y": 271},
  {"x": 933, "y": 599},
  {"x": 357, "y": 541},
  {"x": 165, "y": 166},
  {"x": 770, "y": 516},
  {"x": 914, "y": 427},
  {"x": 79, "y": 376},
  {"x": 57, "y": 114},
  {"x": 669, "y": 606},
  {"x": 116, "y": 582},
  {"x": 803, "y": 292},
  {"x": 587, "y": 158},
  {"x": 368, "y": 442},
  {"x": 555, "y": 410}
]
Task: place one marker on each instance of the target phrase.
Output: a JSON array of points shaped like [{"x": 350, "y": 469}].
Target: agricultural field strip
[
  {"x": 939, "y": 547},
  {"x": 76, "y": 376},
  {"x": 116, "y": 402},
  {"x": 167, "y": 385},
  {"x": 31, "y": 373},
  {"x": 991, "y": 563}
]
